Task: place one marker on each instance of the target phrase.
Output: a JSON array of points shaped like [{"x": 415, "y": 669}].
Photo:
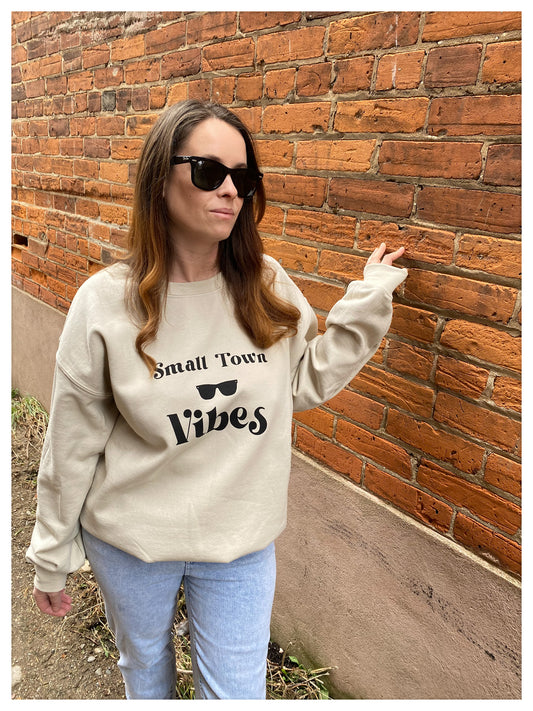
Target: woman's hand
[
  {"x": 378, "y": 256},
  {"x": 52, "y": 603}
]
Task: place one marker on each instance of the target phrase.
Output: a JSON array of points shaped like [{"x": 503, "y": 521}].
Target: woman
[{"x": 168, "y": 451}]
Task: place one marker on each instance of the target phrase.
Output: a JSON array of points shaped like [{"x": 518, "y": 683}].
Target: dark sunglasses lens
[
  {"x": 207, "y": 174},
  {"x": 245, "y": 182}
]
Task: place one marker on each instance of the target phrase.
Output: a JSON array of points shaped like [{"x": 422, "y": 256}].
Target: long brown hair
[{"x": 264, "y": 316}]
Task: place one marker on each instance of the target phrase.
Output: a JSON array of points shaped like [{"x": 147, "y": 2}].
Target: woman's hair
[{"x": 265, "y": 317}]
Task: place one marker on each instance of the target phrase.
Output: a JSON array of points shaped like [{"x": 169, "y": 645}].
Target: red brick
[
  {"x": 251, "y": 21},
  {"x": 110, "y": 126},
  {"x": 304, "y": 43},
  {"x": 295, "y": 189},
  {"x": 421, "y": 244},
  {"x": 409, "y": 359},
  {"x": 128, "y": 48},
  {"x": 488, "y": 506},
  {"x": 140, "y": 125},
  {"x": 249, "y": 87},
  {"x": 353, "y": 74},
  {"x": 473, "y": 209},
  {"x": 488, "y": 344},
  {"x": 228, "y": 55},
  {"x": 402, "y": 115},
  {"x": 371, "y": 196},
  {"x": 296, "y": 118},
  {"x": 428, "y": 439},
  {"x": 504, "y": 474},
  {"x": 177, "y": 92},
  {"x": 486, "y": 425},
  {"x": 93, "y": 56},
  {"x": 276, "y": 153},
  {"x": 292, "y": 256},
  {"x": 345, "y": 155},
  {"x": 401, "y": 70},
  {"x": 374, "y": 447},
  {"x": 165, "y": 39},
  {"x": 507, "y": 393},
  {"x": 185, "y": 62},
  {"x": 504, "y": 165},
  {"x": 341, "y": 266},
  {"x": 320, "y": 295},
  {"x": 469, "y": 296},
  {"x": 463, "y": 378},
  {"x": 384, "y": 385},
  {"x": 453, "y": 66},
  {"x": 279, "y": 82},
  {"x": 494, "y": 115},
  {"x": 447, "y": 159},
  {"x": 313, "y": 79},
  {"x": 272, "y": 221},
  {"x": 200, "y": 89},
  {"x": 321, "y": 227},
  {"x": 36, "y": 88},
  {"x": 71, "y": 146},
  {"x": 447, "y": 25},
  {"x": 108, "y": 76},
  {"x": 82, "y": 126},
  {"x": 379, "y": 30},
  {"x": 146, "y": 70},
  {"x": 358, "y": 408},
  {"x": 490, "y": 255},
  {"x": 113, "y": 213},
  {"x": 87, "y": 208},
  {"x": 417, "y": 503},
  {"x": 331, "y": 455},
  {"x": 503, "y": 63},
  {"x": 88, "y": 168},
  {"x": 56, "y": 85},
  {"x": 318, "y": 420},
  {"x": 223, "y": 89},
  {"x": 211, "y": 25},
  {"x": 250, "y": 116},
  {"x": 114, "y": 172},
  {"x": 126, "y": 148},
  {"x": 487, "y": 543}
]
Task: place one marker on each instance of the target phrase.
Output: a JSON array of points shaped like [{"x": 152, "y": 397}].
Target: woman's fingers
[{"x": 379, "y": 255}]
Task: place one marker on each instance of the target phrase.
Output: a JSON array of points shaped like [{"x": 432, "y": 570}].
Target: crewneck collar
[{"x": 190, "y": 288}]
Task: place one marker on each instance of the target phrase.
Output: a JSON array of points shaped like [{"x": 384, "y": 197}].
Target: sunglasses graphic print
[{"x": 208, "y": 391}]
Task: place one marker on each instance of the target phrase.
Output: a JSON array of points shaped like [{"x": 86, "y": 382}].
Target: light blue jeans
[{"x": 229, "y": 607}]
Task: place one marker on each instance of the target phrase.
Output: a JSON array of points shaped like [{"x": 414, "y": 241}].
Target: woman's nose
[{"x": 228, "y": 187}]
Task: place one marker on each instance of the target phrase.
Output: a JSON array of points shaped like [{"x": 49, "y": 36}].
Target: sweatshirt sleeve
[
  {"x": 82, "y": 415},
  {"x": 79, "y": 426},
  {"x": 322, "y": 365}
]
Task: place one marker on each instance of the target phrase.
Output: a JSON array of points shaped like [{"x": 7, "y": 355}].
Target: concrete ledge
[
  {"x": 35, "y": 331},
  {"x": 399, "y": 611}
]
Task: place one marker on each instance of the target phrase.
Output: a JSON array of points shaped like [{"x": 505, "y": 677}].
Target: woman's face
[{"x": 200, "y": 219}]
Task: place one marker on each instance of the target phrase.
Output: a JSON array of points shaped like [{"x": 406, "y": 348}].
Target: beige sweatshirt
[{"x": 193, "y": 462}]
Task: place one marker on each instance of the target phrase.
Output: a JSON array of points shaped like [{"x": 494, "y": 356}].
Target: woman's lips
[{"x": 225, "y": 213}]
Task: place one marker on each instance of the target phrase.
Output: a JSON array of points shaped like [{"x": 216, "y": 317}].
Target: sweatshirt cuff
[
  {"x": 384, "y": 275},
  {"x": 49, "y": 582}
]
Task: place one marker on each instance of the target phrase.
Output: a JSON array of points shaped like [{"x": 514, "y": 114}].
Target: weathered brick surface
[{"x": 400, "y": 127}]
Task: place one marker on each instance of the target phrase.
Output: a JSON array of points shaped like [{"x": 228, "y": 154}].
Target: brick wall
[{"x": 395, "y": 126}]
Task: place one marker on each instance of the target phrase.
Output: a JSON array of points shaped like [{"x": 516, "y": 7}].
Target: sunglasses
[
  {"x": 208, "y": 174},
  {"x": 208, "y": 391}
]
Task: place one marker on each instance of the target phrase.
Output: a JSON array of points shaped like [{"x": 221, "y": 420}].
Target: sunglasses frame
[{"x": 232, "y": 172}]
